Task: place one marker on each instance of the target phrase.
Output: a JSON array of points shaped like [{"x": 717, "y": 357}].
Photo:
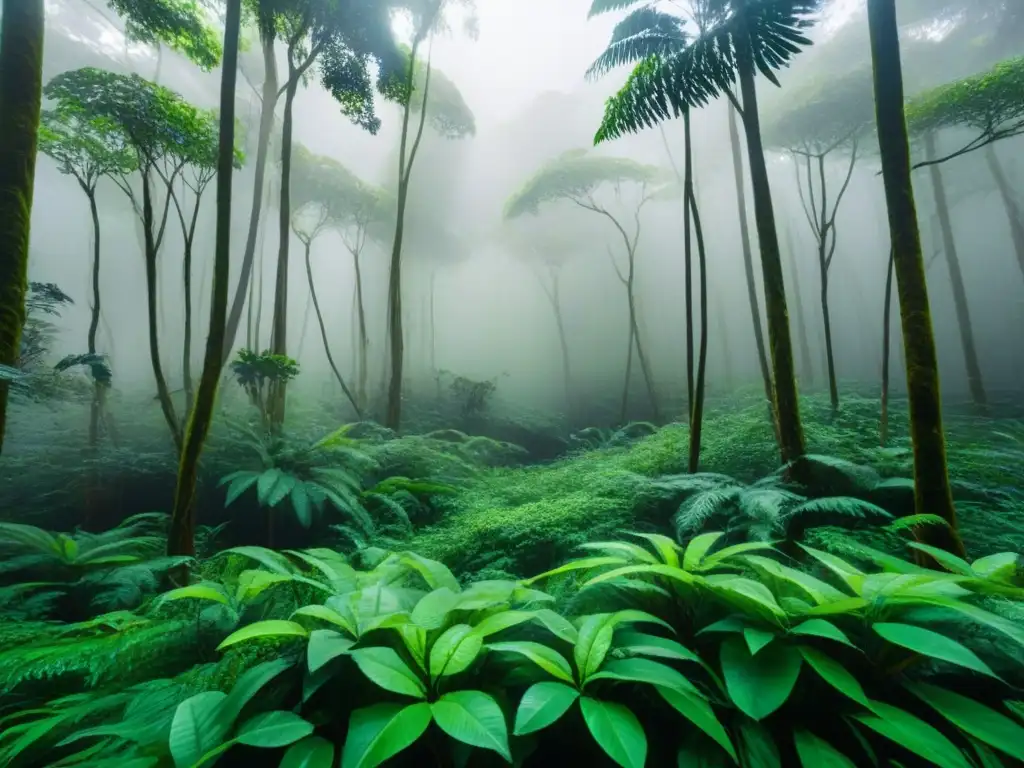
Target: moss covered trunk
[
  {"x": 21, "y": 85},
  {"x": 787, "y": 404},
  {"x": 956, "y": 280},
  {"x": 931, "y": 480},
  {"x": 748, "y": 266},
  {"x": 181, "y": 535}
]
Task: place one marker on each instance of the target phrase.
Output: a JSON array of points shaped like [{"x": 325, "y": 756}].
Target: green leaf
[
  {"x": 551, "y": 661},
  {"x": 595, "y": 637},
  {"x": 697, "y": 710},
  {"x": 311, "y": 752},
  {"x": 697, "y": 548},
  {"x": 199, "y": 725},
  {"x": 281, "y": 490},
  {"x": 913, "y": 734},
  {"x": 757, "y": 748},
  {"x": 266, "y": 483},
  {"x": 757, "y": 639},
  {"x": 970, "y": 716},
  {"x": 821, "y": 628},
  {"x": 643, "y": 644},
  {"x": 434, "y": 573},
  {"x": 473, "y": 718},
  {"x": 951, "y": 563},
  {"x": 616, "y": 730},
  {"x": 932, "y": 644},
  {"x": 273, "y": 729},
  {"x": 666, "y": 547},
  {"x": 818, "y": 753},
  {"x": 329, "y": 615},
  {"x": 585, "y": 563},
  {"x": 542, "y": 705},
  {"x": 251, "y": 683},
  {"x": 760, "y": 684},
  {"x": 415, "y": 640},
  {"x": 239, "y": 486},
  {"x": 835, "y": 674},
  {"x": 454, "y": 651},
  {"x": 432, "y": 610},
  {"x": 639, "y": 670},
  {"x": 269, "y": 628},
  {"x": 378, "y": 733},
  {"x": 208, "y": 591},
  {"x": 301, "y": 504},
  {"x": 325, "y": 645},
  {"x": 386, "y": 668}
]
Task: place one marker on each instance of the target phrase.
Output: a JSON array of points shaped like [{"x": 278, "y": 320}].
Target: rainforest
[{"x": 463, "y": 383}]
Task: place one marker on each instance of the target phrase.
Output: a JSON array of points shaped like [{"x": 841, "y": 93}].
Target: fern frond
[
  {"x": 699, "y": 510},
  {"x": 643, "y": 33},
  {"x": 605, "y": 6}
]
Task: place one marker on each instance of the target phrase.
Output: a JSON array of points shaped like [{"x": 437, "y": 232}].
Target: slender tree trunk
[
  {"x": 96, "y": 407},
  {"x": 363, "y": 341},
  {"x": 697, "y": 413},
  {"x": 624, "y": 407},
  {"x": 824, "y": 225},
  {"x": 787, "y": 403},
  {"x": 393, "y": 412},
  {"x": 956, "y": 280},
  {"x": 181, "y": 536},
  {"x": 269, "y": 102},
  {"x": 641, "y": 356},
  {"x": 323, "y": 333},
  {"x": 806, "y": 361},
  {"x": 931, "y": 481},
  {"x": 688, "y": 258},
  {"x": 1010, "y": 205},
  {"x": 186, "y": 356},
  {"x": 748, "y": 268},
  {"x": 883, "y": 428},
  {"x": 279, "y": 332},
  {"x": 249, "y": 315},
  {"x": 162, "y": 391},
  {"x": 21, "y": 85}
]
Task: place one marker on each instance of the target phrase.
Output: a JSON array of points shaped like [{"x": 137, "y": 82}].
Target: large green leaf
[
  {"x": 386, "y": 668},
  {"x": 835, "y": 674},
  {"x": 696, "y": 709},
  {"x": 972, "y": 717},
  {"x": 932, "y": 644},
  {"x": 639, "y": 670},
  {"x": 251, "y": 683},
  {"x": 432, "y": 610},
  {"x": 913, "y": 734},
  {"x": 325, "y": 613},
  {"x": 311, "y": 752},
  {"x": 202, "y": 591},
  {"x": 301, "y": 504},
  {"x": 380, "y": 732},
  {"x": 269, "y": 628},
  {"x": 595, "y": 637},
  {"x": 548, "y": 659},
  {"x": 815, "y": 752},
  {"x": 821, "y": 628},
  {"x": 473, "y": 718},
  {"x": 697, "y": 548},
  {"x": 454, "y": 651},
  {"x": 643, "y": 644},
  {"x": 542, "y": 705},
  {"x": 199, "y": 725},
  {"x": 759, "y": 684},
  {"x": 616, "y": 730},
  {"x": 273, "y": 729},
  {"x": 325, "y": 645}
]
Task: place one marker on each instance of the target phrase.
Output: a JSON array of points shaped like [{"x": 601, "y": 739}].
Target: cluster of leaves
[
  {"x": 258, "y": 373},
  {"x": 181, "y": 24},
  {"x": 742, "y": 648}
]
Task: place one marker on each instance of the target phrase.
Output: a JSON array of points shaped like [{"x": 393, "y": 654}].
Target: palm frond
[
  {"x": 643, "y": 33},
  {"x": 606, "y": 6},
  {"x": 767, "y": 32}
]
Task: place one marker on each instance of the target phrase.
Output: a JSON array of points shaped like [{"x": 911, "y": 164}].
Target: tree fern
[{"x": 644, "y": 33}]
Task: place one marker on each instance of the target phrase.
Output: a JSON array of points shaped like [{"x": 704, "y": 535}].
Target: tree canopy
[
  {"x": 824, "y": 115},
  {"x": 577, "y": 175},
  {"x": 447, "y": 111},
  {"x": 180, "y": 24},
  {"x": 990, "y": 103},
  {"x": 85, "y": 148},
  {"x": 664, "y": 85},
  {"x": 345, "y": 199}
]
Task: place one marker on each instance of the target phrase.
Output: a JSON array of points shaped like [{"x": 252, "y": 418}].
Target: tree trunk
[
  {"x": 641, "y": 356},
  {"x": 269, "y": 101},
  {"x": 787, "y": 403},
  {"x": 323, "y": 333},
  {"x": 393, "y": 412},
  {"x": 688, "y": 257},
  {"x": 96, "y": 407},
  {"x": 824, "y": 225},
  {"x": 883, "y": 427},
  {"x": 21, "y": 85},
  {"x": 697, "y": 413},
  {"x": 162, "y": 391},
  {"x": 1013, "y": 212},
  {"x": 956, "y": 280},
  {"x": 806, "y": 361},
  {"x": 279, "y": 331},
  {"x": 181, "y": 535},
  {"x": 624, "y": 406},
  {"x": 748, "y": 267},
  {"x": 186, "y": 355},
  {"x": 932, "y": 493},
  {"x": 363, "y": 340}
]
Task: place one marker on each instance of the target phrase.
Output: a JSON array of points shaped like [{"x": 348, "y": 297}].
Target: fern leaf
[
  {"x": 700, "y": 509},
  {"x": 644, "y": 33}
]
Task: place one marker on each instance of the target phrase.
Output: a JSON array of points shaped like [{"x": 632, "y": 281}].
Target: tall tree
[
  {"x": 932, "y": 494},
  {"x": 577, "y": 177},
  {"x": 21, "y": 64},
  {"x": 88, "y": 150},
  {"x": 743, "y": 37},
  {"x": 181, "y": 535},
  {"x": 825, "y": 122},
  {"x": 166, "y": 134},
  {"x": 423, "y": 92}
]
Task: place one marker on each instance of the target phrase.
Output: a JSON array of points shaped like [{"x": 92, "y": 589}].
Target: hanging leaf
[
  {"x": 325, "y": 645},
  {"x": 548, "y": 659},
  {"x": 815, "y": 752},
  {"x": 760, "y": 684},
  {"x": 821, "y": 628},
  {"x": 835, "y": 674},
  {"x": 199, "y": 725},
  {"x": 932, "y": 644},
  {"x": 697, "y": 710},
  {"x": 542, "y": 705},
  {"x": 311, "y": 752},
  {"x": 273, "y": 729},
  {"x": 473, "y": 718},
  {"x": 269, "y": 628},
  {"x": 385, "y": 668},
  {"x": 378, "y": 733},
  {"x": 913, "y": 734},
  {"x": 970, "y": 716},
  {"x": 616, "y": 730}
]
